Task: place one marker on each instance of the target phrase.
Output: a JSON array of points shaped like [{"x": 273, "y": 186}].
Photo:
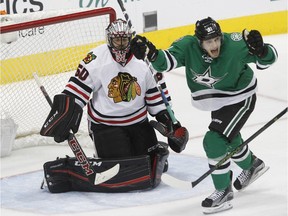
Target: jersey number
[{"x": 82, "y": 72}]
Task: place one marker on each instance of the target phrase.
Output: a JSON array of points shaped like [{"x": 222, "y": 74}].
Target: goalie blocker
[
  {"x": 65, "y": 115},
  {"x": 136, "y": 173}
]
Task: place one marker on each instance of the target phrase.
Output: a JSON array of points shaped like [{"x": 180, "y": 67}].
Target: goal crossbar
[{"x": 59, "y": 19}]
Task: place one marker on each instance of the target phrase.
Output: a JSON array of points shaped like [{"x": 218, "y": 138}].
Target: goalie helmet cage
[{"x": 51, "y": 44}]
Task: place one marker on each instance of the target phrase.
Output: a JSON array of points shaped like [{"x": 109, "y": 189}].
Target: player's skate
[
  {"x": 218, "y": 201},
  {"x": 246, "y": 177}
]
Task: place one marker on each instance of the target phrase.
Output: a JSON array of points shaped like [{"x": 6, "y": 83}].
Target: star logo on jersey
[{"x": 206, "y": 78}]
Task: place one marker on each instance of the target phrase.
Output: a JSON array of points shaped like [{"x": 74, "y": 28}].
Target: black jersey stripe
[
  {"x": 158, "y": 103},
  {"x": 79, "y": 83},
  {"x": 170, "y": 60},
  {"x": 115, "y": 117},
  {"x": 163, "y": 85},
  {"x": 220, "y": 95},
  {"x": 152, "y": 90},
  {"x": 155, "y": 89}
]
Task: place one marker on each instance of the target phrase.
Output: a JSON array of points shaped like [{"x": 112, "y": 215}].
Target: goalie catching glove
[
  {"x": 64, "y": 116},
  {"x": 254, "y": 42},
  {"x": 177, "y": 135},
  {"x": 141, "y": 47}
]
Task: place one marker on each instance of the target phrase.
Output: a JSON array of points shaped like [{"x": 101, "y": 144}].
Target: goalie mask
[{"x": 118, "y": 35}]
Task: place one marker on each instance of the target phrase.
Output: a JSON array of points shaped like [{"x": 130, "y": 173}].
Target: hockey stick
[
  {"x": 177, "y": 183},
  {"x": 93, "y": 177},
  {"x": 168, "y": 107}
]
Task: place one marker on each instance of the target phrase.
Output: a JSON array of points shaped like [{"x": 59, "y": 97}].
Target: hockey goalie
[{"x": 119, "y": 92}]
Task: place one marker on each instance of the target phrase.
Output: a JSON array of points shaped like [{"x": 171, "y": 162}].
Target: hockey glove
[
  {"x": 254, "y": 42},
  {"x": 64, "y": 116},
  {"x": 177, "y": 135},
  {"x": 141, "y": 47}
]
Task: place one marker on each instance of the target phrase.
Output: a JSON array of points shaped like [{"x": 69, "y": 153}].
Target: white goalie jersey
[{"x": 115, "y": 95}]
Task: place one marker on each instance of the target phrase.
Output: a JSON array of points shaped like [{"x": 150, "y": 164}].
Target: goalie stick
[
  {"x": 168, "y": 107},
  {"x": 177, "y": 183},
  {"x": 93, "y": 177}
]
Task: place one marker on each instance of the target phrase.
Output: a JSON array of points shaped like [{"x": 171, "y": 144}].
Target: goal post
[{"x": 51, "y": 44}]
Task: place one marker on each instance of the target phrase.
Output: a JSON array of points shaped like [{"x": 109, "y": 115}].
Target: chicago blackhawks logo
[
  {"x": 90, "y": 56},
  {"x": 123, "y": 87}
]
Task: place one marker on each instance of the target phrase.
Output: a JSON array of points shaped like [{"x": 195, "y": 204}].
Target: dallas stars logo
[{"x": 206, "y": 78}]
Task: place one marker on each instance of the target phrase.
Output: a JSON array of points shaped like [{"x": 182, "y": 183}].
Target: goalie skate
[{"x": 246, "y": 177}]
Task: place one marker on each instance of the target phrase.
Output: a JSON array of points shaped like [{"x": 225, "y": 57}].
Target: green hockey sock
[
  {"x": 221, "y": 181},
  {"x": 246, "y": 163}
]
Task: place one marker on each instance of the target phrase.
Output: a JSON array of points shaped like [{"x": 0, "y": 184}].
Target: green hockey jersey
[{"x": 218, "y": 82}]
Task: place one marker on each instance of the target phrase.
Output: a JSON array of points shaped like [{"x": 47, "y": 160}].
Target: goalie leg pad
[{"x": 65, "y": 174}]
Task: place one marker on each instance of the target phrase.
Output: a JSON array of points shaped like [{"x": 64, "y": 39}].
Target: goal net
[{"x": 50, "y": 44}]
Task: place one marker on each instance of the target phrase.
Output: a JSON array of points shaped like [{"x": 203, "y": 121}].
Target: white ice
[{"x": 21, "y": 172}]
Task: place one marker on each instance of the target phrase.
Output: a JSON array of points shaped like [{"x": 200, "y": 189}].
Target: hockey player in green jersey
[{"x": 220, "y": 81}]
